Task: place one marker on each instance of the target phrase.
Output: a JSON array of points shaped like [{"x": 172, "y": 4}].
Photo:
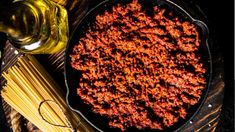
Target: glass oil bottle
[{"x": 35, "y": 26}]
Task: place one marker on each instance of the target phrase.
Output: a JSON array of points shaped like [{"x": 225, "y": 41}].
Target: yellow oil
[{"x": 38, "y": 26}]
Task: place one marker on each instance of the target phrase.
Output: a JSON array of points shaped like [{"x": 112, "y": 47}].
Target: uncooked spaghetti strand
[
  {"x": 36, "y": 83},
  {"x": 25, "y": 83},
  {"x": 22, "y": 94},
  {"x": 39, "y": 81},
  {"x": 16, "y": 104},
  {"x": 30, "y": 84},
  {"x": 50, "y": 81}
]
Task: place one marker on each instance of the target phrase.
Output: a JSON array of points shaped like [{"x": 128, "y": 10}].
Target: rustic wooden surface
[{"x": 205, "y": 120}]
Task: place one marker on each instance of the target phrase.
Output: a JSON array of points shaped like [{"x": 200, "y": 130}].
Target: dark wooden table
[{"x": 205, "y": 120}]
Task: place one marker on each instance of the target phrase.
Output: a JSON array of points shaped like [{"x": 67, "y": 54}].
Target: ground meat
[{"x": 139, "y": 70}]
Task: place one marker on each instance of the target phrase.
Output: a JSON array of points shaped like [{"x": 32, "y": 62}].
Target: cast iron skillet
[{"x": 72, "y": 76}]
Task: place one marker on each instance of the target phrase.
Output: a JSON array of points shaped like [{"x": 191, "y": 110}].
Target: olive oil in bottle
[{"x": 35, "y": 26}]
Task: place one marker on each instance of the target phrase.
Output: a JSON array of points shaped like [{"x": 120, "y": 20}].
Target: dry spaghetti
[{"x": 28, "y": 85}]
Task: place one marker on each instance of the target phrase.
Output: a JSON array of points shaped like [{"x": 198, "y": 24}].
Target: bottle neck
[
  {"x": 15, "y": 21},
  {"x": 7, "y": 22}
]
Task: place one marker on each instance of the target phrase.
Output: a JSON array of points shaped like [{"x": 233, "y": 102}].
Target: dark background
[
  {"x": 220, "y": 16},
  {"x": 220, "y": 19}
]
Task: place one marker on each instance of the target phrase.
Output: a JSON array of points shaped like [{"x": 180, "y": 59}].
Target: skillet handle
[{"x": 84, "y": 126}]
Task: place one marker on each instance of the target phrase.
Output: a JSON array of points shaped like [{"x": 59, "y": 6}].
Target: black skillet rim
[{"x": 181, "y": 8}]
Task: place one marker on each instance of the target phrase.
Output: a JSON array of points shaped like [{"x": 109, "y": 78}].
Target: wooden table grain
[{"x": 205, "y": 120}]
